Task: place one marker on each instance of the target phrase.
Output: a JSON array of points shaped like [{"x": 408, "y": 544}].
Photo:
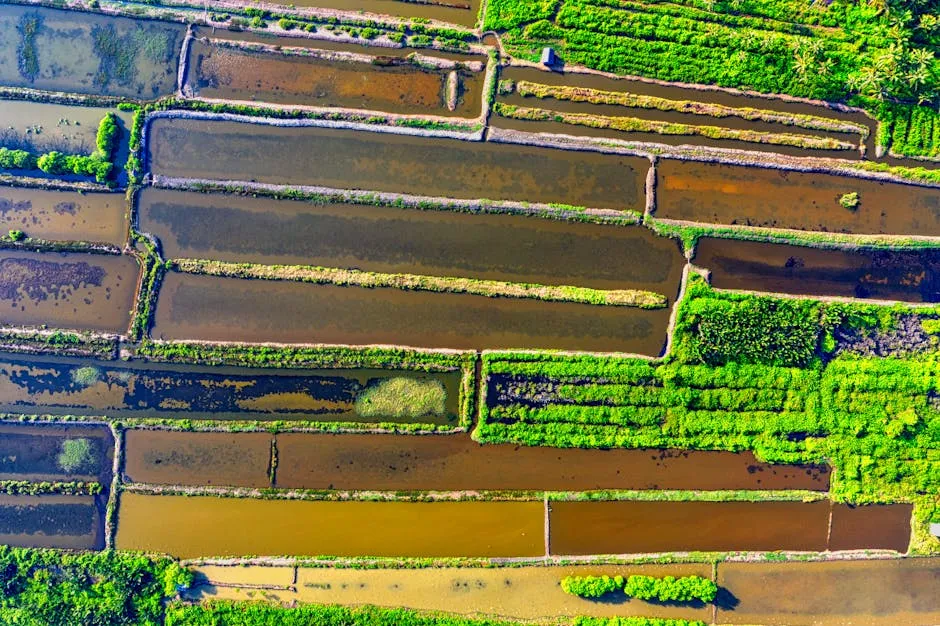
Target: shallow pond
[
  {"x": 67, "y": 290},
  {"x": 231, "y": 309},
  {"x": 39, "y": 452},
  {"x": 71, "y": 522},
  {"x": 64, "y": 215},
  {"x": 348, "y": 159},
  {"x": 514, "y": 248}
]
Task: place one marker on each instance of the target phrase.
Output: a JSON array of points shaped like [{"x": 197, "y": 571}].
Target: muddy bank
[
  {"x": 385, "y": 162},
  {"x": 230, "y": 309}
]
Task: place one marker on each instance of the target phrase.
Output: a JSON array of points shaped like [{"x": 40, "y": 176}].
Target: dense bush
[
  {"x": 16, "y": 160},
  {"x": 106, "y": 140},
  {"x": 671, "y": 589},
  {"x": 591, "y": 586}
]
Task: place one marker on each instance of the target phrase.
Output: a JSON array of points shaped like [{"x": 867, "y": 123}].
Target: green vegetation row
[
  {"x": 692, "y": 107},
  {"x": 865, "y": 53},
  {"x": 908, "y": 130},
  {"x": 228, "y": 613},
  {"x": 795, "y": 381},
  {"x": 413, "y": 282},
  {"x": 98, "y": 165},
  {"x": 685, "y": 589},
  {"x": 28, "y": 488},
  {"x": 57, "y": 342},
  {"x": 639, "y": 125}
]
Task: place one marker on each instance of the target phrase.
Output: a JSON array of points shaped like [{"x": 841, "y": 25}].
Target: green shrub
[
  {"x": 16, "y": 160},
  {"x": 849, "y": 201},
  {"x": 671, "y": 589},
  {"x": 931, "y": 327},
  {"x": 76, "y": 454},
  {"x": 106, "y": 141},
  {"x": 17, "y": 235},
  {"x": 591, "y": 586},
  {"x": 86, "y": 376}
]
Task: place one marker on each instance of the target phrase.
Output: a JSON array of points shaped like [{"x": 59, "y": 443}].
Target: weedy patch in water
[
  {"x": 403, "y": 398},
  {"x": 27, "y": 56}
]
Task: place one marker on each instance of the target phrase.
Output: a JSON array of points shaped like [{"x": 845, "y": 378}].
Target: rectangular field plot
[
  {"x": 354, "y": 77},
  {"x": 210, "y": 526},
  {"x": 236, "y": 228},
  {"x": 231, "y": 309},
  {"x": 640, "y": 527},
  {"x": 88, "y": 53},
  {"x": 732, "y": 194},
  {"x": 55, "y": 452},
  {"x": 67, "y": 290},
  {"x": 781, "y": 268},
  {"x": 73, "y": 522},
  {"x": 64, "y": 215},
  {"x": 348, "y": 159},
  {"x": 886, "y": 526},
  {"x": 460, "y": 12},
  {"x": 76, "y": 386}
]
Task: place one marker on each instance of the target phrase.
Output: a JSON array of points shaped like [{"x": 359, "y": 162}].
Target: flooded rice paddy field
[
  {"x": 446, "y": 462},
  {"x": 67, "y": 290},
  {"x": 882, "y": 274},
  {"x": 88, "y": 53},
  {"x": 469, "y": 528},
  {"x": 64, "y": 215},
  {"x": 223, "y": 71},
  {"x": 62, "y": 385},
  {"x": 865, "y": 593},
  {"x": 460, "y": 12},
  {"x": 232, "y": 309},
  {"x": 42, "y": 127},
  {"x": 510, "y": 592},
  {"x": 293, "y": 527},
  {"x": 50, "y": 452},
  {"x": 582, "y": 528},
  {"x": 51, "y": 521},
  {"x": 732, "y": 194},
  {"x": 348, "y": 159},
  {"x": 514, "y": 248}
]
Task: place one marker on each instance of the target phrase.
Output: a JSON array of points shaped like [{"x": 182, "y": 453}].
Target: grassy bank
[
  {"x": 412, "y": 282},
  {"x": 638, "y": 125},
  {"x": 60, "y": 342}
]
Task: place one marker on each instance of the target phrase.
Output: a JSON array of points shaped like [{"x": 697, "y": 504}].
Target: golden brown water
[
  {"x": 223, "y": 72},
  {"x": 208, "y": 526},
  {"x": 64, "y": 215},
  {"x": 875, "y": 526},
  {"x": 780, "y": 268},
  {"x": 143, "y": 64},
  {"x": 67, "y": 290},
  {"x": 394, "y": 163},
  {"x": 861, "y": 593},
  {"x": 386, "y": 239},
  {"x": 231, "y": 309},
  {"x": 732, "y": 194}
]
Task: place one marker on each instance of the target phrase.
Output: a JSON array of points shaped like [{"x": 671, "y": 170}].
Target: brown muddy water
[
  {"x": 355, "y": 461},
  {"x": 902, "y": 592},
  {"x": 225, "y": 72},
  {"x": 732, "y": 194},
  {"x": 886, "y": 527},
  {"x": 531, "y": 592},
  {"x": 780, "y": 268},
  {"x": 348, "y": 159},
  {"x": 604, "y": 83},
  {"x": 34, "y": 452},
  {"x": 88, "y": 53},
  {"x": 84, "y": 386},
  {"x": 67, "y": 290},
  {"x": 64, "y": 215},
  {"x": 213, "y": 308},
  {"x": 211, "y": 526},
  {"x": 460, "y": 12},
  {"x": 177, "y": 458},
  {"x": 42, "y": 127},
  {"x": 72, "y": 522},
  {"x": 386, "y": 239},
  {"x": 636, "y": 527}
]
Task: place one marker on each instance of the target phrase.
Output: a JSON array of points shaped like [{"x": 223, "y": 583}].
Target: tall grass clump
[{"x": 403, "y": 397}]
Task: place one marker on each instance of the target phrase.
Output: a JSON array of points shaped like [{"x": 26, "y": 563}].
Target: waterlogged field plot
[
  {"x": 67, "y": 290},
  {"x": 242, "y": 526},
  {"x": 780, "y": 268},
  {"x": 752, "y": 196},
  {"x": 348, "y": 159},
  {"x": 541, "y": 101},
  {"x": 64, "y": 215},
  {"x": 87, "y": 53},
  {"x": 241, "y": 228},
  {"x": 42, "y": 127},
  {"x": 74, "y": 522},
  {"x": 355, "y": 77},
  {"x": 55, "y": 452},
  {"x": 212, "y": 308},
  {"x": 58, "y": 385},
  {"x": 460, "y": 12}
]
